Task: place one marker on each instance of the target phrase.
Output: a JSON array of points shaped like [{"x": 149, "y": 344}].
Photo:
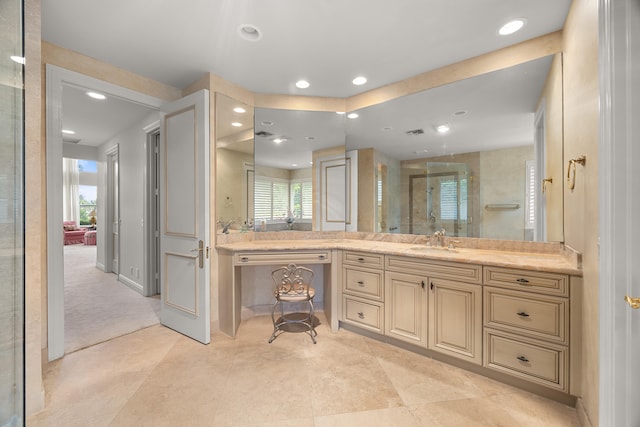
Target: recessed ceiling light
[
  {"x": 339, "y": 112},
  {"x": 512, "y": 26},
  {"x": 311, "y": 138},
  {"x": 68, "y": 132},
  {"x": 460, "y": 113},
  {"x": 279, "y": 140},
  {"x": 96, "y": 95},
  {"x": 18, "y": 59},
  {"x": 236, "y": 124},
  {"x": 443, "y": 128},
  {"x": 239, "y": 110},
  {"x": 249, "y": 32},
  {"x": 352, "y": 115},
  {"x": 294, "y": 164},
  {"x": 266, "y": 123},
  {"x": 387, "y": 128},
  {"x": 360, "y": 80},
  {"x": 302, "y": 84}
]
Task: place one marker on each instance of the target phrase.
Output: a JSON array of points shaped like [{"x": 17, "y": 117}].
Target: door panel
[{"x": 184, "y": 216}]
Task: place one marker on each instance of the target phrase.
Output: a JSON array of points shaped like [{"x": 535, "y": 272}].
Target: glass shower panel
[{"x": 11, "y": 215}]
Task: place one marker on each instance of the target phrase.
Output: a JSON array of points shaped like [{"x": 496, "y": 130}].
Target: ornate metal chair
[{"x": 293, "y": 286}]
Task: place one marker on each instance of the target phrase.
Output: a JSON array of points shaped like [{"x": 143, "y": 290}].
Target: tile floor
[{"x": 157, "y": 377}]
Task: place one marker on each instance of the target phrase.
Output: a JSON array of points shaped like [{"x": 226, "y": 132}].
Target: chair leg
[{"x": 275, "y": 334}]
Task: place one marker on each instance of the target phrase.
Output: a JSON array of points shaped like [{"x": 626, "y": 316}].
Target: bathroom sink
[{"x": 433, "y": 249}]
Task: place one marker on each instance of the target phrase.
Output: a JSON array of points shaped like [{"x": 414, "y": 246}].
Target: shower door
[
  {"x": 439, "y": 199},
  {"x": 12, "y": 218}
]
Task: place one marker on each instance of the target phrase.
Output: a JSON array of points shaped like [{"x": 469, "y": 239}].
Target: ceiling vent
[
  {"x": 415, "y": 132},
  {"x": 264, "y": 134}
]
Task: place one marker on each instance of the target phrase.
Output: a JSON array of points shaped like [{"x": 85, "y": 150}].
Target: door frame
[
  {"x": 617, "y": 164},
  {"x": 107, "y": 212},
  {"x": 56, "y": 78}
]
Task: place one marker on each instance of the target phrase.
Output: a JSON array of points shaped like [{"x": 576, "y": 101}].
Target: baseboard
[
  {"x": 130, "y": 283},
  {"x": 100, "y": 266},
  {"x": 583, "y": 418}
]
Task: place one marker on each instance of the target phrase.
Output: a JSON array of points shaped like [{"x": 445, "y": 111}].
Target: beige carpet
[{"x": 97, "y": 307}]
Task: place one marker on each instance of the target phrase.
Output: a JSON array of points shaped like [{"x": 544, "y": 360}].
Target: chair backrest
[{"x": 292, "y": 280}]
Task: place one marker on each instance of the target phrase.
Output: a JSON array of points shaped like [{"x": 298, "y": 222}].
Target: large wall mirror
[
  {"x": 480, "y": 157},
  {"x": 234, "y": 164},
  {"x": 299, "y": 170},
  {"x": 494, "y": 170}
]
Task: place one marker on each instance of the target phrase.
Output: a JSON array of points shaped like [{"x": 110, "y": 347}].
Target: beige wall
[
  {"x": 581, "y": 118},
  {"x": 229, "y": 168}
]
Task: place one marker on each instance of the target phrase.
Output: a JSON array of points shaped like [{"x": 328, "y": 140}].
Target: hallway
[
  {"x": 157, "y": 377},
  {"x": 97, "y": 307}
]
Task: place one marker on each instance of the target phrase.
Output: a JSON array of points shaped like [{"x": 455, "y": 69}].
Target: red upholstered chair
[{"x": 73, "y": 234}]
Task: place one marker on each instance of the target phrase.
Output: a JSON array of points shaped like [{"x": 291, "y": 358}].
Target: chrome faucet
[
  {"x": 225, "y": 227},
  {"x": 439, "y": 237}
]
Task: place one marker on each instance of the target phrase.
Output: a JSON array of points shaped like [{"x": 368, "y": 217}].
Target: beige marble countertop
[{"x": 554, "y": 259}]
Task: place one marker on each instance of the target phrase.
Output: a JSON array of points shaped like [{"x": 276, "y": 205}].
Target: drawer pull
[
  {"x": 423, "y": 284},
  {"x": 523, "y": 281},
  {"x": 360, "y": 283},
  {"x": 522, "y": 314},
  {"x": 321, "y": 257},
  {"x": 244, "y": 259},
  {"x": 361, "y": 259},
  {"x": 361, "y": 315},
  {"x": 523, "y": 359}
]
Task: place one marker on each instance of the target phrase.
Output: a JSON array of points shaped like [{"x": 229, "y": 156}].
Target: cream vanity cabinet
[
  {"x": 449, "y": 310},
  {"x": 363, "y": 290},
  {"x": 526, "y": 325}
]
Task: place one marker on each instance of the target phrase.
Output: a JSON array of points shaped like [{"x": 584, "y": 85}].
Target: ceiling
[{"x": 326, "y": 42}]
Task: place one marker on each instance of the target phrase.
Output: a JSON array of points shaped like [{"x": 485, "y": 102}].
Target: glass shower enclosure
[{"x": 11, "y": 214}]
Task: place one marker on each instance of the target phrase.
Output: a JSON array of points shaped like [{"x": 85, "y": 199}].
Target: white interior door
[
  {"x": 184, "y": 216},
  {"x": 619, "y": 207}
]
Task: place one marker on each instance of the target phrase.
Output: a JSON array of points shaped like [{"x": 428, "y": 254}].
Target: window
[
  {"x": 87, "y": 190},
  {"x": 275, "y": 199},
  {"x": 301, "y": 199},
  {"x": 530, "y": 196},
  {"x": 453, "y": 203}
]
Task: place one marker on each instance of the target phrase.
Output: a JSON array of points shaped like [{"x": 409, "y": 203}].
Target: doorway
[{"x": 57, "y": 78}]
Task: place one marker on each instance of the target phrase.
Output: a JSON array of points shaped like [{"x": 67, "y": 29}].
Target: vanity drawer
[
  {"x": 363, "y": 259},
  {"x": 531, "y": 281},
  {"x": 535, "y": 361},
  {"x": 282, "y": 258},
  {"x": 367, "y": 314},
  {"x": 470, "y": 273},
  {"x": 538, "y": 316},
  {"x": 363, "y": 282}
]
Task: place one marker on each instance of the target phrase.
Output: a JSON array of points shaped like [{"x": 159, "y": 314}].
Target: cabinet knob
[
  {"x": 523, "y": 281},
  {"x": 360, "y": 283},
  {"x": 361, "y": 259},
  {"x": 361, "y": 315},
  {"x": 522, "y": 359},
  {"x": 522, "y": 314},
  {"x": 321, "y": 257},
  {"x": 244, "y": 259}
]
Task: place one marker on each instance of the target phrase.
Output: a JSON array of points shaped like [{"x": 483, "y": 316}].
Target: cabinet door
[
  {"x": 405, "y": 307},
  {"x": 455, "y": 319}
]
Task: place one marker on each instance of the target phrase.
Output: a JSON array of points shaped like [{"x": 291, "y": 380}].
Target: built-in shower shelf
[{"x": 502, "y": 206}]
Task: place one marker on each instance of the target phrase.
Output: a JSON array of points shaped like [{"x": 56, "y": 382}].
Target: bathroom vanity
[{"x": 508, "y": 310}]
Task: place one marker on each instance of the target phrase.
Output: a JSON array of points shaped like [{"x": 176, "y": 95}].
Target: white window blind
[
  {"x": 275, "y": 198},
  {"x": 530, "y": 195},
  {"x": 453, "y": 205}
]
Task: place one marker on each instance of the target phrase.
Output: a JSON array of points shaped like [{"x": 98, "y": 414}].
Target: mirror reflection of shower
[{"x": 439, "y": 198}]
